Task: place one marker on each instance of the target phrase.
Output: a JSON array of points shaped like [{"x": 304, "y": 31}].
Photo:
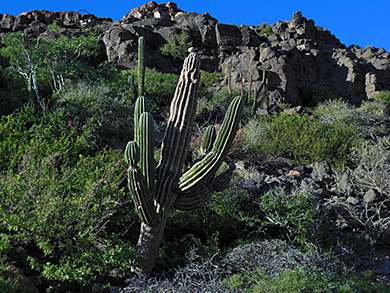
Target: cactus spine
[
  {"x": 141, "y": 66},
  {"x": 155, "y": 194}
]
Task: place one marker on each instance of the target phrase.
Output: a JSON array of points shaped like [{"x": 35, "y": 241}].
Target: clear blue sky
[{"x": 356, "y": 22}]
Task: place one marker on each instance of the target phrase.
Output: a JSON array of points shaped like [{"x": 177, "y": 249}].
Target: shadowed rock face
[{"x": 299, "y": 58}]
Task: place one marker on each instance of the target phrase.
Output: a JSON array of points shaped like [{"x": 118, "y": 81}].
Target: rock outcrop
[{"x": 300, "y": 59}]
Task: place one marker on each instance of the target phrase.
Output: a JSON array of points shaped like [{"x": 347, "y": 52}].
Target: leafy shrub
[
  {"x": 300, "y": 281},
  {"x": 301, "y": 138},
  {"x": 9, "y": 282},
  {"x": 372, "y": 110},
  {"x": 58, "y": 194},
  {"x": 294, "y": 213},
  {"x": 336, "y": 110},
  {"x": 268, "y": 31},
  {"x": 26, "y": 132},
  {"x": 110, "y": 116},
  {"x": 177, "y": 46},
  {"x": 370, "y": 172},
  {"x": 382, "y": 96}
]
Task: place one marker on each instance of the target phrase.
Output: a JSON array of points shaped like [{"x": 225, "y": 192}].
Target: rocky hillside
[{"x": 300, "y": 59}]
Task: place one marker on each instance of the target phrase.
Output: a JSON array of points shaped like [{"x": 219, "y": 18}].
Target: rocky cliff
[{"x": 300, "y": 59}]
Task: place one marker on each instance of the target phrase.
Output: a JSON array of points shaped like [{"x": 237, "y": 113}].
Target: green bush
[
  {"x": 268, "y": 31},
  {"x": 301, "y": 138},
  {"x": 382, "y": 96},
  {"x": 319, "y": 94},
  {"x": 207, "y": 80},
  {"x": 59, "y": 194},
  {"x": 178, "y": 46},
  {"x": 108, "y": 116},
  {"x": 299, "y": 281},
  {"x": 293, "y": 213},
  {"x": 26, "y": 132}
]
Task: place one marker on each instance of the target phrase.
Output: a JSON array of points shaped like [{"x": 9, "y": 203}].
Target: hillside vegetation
[{"x": 307, "y": 206}]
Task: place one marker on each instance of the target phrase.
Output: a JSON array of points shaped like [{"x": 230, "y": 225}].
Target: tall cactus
[
  {"x": 256, "y": 101},
  {"x": 156, "y": 190},
  {"x": 141, "y": 66}
]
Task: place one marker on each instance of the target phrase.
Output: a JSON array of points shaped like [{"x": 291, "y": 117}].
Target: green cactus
[
  {"x": 250, "y": 90},
  {"x": 256, "y": 101},
  {"x": 206, "y": 168},
  {"x": 141, "y": 66},
  {"x": 208, "y": 140},
  {"x": 156, "y": 190}
]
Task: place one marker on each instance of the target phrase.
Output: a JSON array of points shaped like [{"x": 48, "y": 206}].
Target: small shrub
[
  {"x": 373, "y": 110},
  {"x": 292, "y": 212},
  {"x": 382, "y": 96},
  {"x": 178, "y": 46},
  {"x": 301, "y": 138},
  {"x": 268, "y": 31}
]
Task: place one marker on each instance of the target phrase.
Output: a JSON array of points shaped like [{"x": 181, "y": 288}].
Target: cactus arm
[
  {"x": 250, "y": 90},
  {"x": 178, "y": 132},
  {"x": 141, "y": 66},
  {"x": 146, "y": 144},
  {"x": 139, "y": 190},
  {"x": 206, "y": 168},
  {"x": 141, "y": 106},
  {"x": 208, "y": 140},
  {"x": 194, "y": 199},
  {"x": 142, "y": 197}
]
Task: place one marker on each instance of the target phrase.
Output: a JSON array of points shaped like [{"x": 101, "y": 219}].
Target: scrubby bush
[
  {"x": 382, "y": 96},
  {"x": 268, "y": 31},
  {"x": 301, "y": 138},
  {"x": 294, "y": 214},
  {"x": 58, "y": 194},
  {"x": 177, "y": 46},
  {"x": 109, "y": 116}
]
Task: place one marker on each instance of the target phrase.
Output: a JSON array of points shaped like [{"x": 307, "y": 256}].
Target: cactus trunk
[{"x": 141, "y": 66}]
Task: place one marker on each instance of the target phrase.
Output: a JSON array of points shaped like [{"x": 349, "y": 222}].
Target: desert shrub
[
  {"x": 382, "y": 96},
  {"x": 361, "y": 117},
  {"x": 177, "y": 46},
  {"x": 300, "y": 281},
  {"x": 268, "y": 31},
  {"x": 58, "y": 195},
  {"x": 63, "y": 209},
  {"x": 336, "y": 110},
  {"x": 294, "y": 214},
  {"x": 372, "y": 110},
  {"x": 110, "y": 116},
  {"x": 276, "y": 266},
  {"x": 9, "y": 282},
  {"x": 28, "y": 132},
  {"x": 301, "y": 138},
  {"x": 369, "y": 173}
]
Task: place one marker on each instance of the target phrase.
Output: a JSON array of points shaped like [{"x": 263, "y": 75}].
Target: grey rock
[
  {"x": 352, "y": 200},
  {"x": 370, "y": 195}
]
